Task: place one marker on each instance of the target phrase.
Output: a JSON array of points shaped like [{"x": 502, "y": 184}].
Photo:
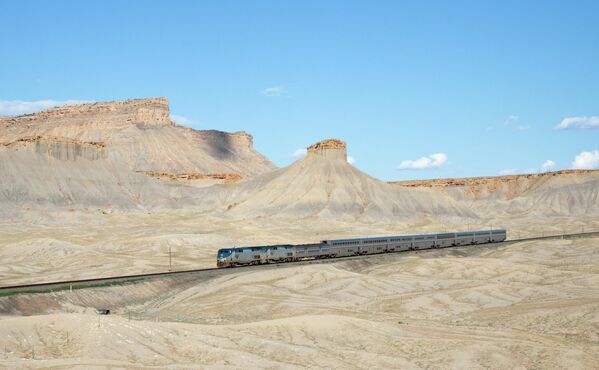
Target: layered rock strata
[{"x": 139, "y": 134}]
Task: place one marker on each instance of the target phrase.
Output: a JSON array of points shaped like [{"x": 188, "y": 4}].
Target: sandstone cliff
[
  {"x": 139, "y": 134},
  {"x": 115, "y": 155}
]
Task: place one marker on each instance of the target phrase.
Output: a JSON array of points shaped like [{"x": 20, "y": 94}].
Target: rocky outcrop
[
  {"x": 90, "y": 155},
  {"x": 152, "y": 111},
  {"x": 60, "y": 147},
  {"x": 225, "y": 177},
  {"x": 491, "y": 181},
  {"x": 138, "y": 134},
  {"x": 506, "y": 187},
  {"x": 563, "y": 193},
  {"x": 50, "y": 139},
  {"x": 332, "y": 148}
]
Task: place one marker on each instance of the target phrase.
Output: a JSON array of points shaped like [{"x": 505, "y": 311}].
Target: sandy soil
[
  {"x": 60, "y": 246},
  {"x": 528, "y": 305}
]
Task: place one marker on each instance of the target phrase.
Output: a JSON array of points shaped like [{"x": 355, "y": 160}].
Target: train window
[
  {"x": 256, "y": 257},
  {"x": 289, "y": 254}
]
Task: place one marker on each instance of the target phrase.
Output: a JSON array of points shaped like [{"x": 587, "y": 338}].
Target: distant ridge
[
  {"x": 565, "y": 192},
  {"x": 481, "y": 180}
]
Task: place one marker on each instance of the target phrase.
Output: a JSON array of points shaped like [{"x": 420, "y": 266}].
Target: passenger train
[{"x": 230, "y": 257}]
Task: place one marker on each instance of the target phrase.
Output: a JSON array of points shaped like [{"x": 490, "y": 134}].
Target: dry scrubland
[
  {"x": 528, "y": 305},
  {"x": 106, "y": 189}
]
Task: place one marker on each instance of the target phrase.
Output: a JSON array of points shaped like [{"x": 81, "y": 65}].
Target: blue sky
[{"x": 455, "y": 88}]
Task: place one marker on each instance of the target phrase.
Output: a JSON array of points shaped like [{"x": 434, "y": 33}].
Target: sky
[{"x": 417, "y": 89}]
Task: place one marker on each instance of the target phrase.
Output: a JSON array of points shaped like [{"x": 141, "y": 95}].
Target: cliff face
[
  {"x": 139, "y": 134},
  {"x": 102, "y": 115},
  {"x": 330, "y": 148},
  {"x": 507, "y": 187},
  {"x": 116, "y": 155}
]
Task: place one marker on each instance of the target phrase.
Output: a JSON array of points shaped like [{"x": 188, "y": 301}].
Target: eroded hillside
[
  {"x": 139, "y": 135},
  {"x": 107, "y": 155}
]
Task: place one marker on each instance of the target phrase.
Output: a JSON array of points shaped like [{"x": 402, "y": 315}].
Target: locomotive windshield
[{"x": 222, "y": 253}]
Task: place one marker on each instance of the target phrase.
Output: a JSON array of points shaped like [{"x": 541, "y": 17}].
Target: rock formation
[
  {"x": 107, "y": 155},
  {"x": 565, "y": 192},
  {"x": 323, "y": 184},
  {"x": 139, "y": 134},
  {"x": 128, "y": 154},
  {"x": 226, "y": 177},
  {"x": 331, "y": 148},
  {"x": 101, "y": 115},
  {"x": 491, "y": 182}
]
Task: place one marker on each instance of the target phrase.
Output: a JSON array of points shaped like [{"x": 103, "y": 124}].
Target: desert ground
[
  {"x": 98, "y": 245},
  {"x": 532, "y": 305}
]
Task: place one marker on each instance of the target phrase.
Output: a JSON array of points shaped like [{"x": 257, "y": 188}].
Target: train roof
[
  {"x": 377, "y": 237},
  {"x": 259, "y": 246},
  {"x": 412, "y": 235}
]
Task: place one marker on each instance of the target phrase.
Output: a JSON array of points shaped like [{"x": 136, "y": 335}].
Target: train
[{"x": 280, "y": 253}]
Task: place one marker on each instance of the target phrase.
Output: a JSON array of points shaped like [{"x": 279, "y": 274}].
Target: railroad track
[{"x": 212, "y": 272}]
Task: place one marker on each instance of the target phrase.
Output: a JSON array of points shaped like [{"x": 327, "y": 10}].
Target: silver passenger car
[{"x": 230, "y": 257}]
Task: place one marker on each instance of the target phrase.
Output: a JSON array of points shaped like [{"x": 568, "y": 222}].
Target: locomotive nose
[{"x": 222, "y": 261}]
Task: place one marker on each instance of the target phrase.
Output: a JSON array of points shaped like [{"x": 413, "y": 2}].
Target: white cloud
[
  {"x": 548, "y": 165},
  {"x": 509, "y": 171},
  {"x": 301, "y": 152},
  {"x": 523, "y": 127},
  {"x": 433, "y": 160},
  {"x": 578, "y": 122},
  {"x": 274, "y": 91},
  {"x": 18, "y": 107},
  {"x": 351, "y": 160},
  {"x": 586, "y": 160},
  {"x": 510, "y": 119},
  {"x": 181, "y": 120}
]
